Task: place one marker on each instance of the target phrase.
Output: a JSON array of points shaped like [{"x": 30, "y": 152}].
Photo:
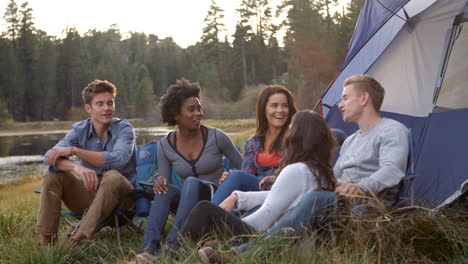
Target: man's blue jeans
[
  {"x": 193, "y": 190},
  {"x": 236, "y": 181},
  {"x": 309, "y": 214}
]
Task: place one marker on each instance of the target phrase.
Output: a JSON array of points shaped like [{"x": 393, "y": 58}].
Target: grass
[{"x": 382, "y": 237}]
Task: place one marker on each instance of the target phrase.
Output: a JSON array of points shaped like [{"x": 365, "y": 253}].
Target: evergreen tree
[
  {"x": 12, "y": 18},
  {"x": 144, "y": 97},
  {"x": 28, "y": 56},
  {"x": 47, "y": 72},
  {"x": 70, "y": 79},
  {"x": 243, "y": 34},
  {"x": 346, "y": 23},
  {"x": 9, "y": 78},
  {"x": 212, "y": 46},
  {"x": 310, "y": 61}
]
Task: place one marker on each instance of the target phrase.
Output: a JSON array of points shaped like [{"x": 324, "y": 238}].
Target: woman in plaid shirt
[{"x": 262, "y": 152}]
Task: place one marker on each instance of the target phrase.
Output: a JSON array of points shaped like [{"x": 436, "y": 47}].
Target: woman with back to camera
[
  {"x": 262, "y": 153},
  {"x": 194, "y": 152},
  {"x": 305, "y": 168}
]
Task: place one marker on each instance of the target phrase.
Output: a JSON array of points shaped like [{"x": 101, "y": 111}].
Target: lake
[{"x": 21, "y": 154}]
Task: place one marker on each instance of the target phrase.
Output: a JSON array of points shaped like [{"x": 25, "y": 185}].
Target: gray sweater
[
  {"x": 374, "y": 160},
  {"x": 292, "y": 184},
  {"x": 208, "y": 166}
]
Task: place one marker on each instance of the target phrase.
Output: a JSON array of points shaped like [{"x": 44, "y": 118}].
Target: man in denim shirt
[{"x": 105, "y": 146}]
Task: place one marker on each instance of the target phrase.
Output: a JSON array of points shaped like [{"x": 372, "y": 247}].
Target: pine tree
[
  {"x": 243, "y": 34},
  {"x": 47, "y": 74},
  {"x": 346, "y": 23},
  {"x": 12, "y": 18},
  {"x": 212, "y": 46},
  {"x": 9, "y": 77},
  {"x": 70, "y": 79},
  {"x": 310, "y": 62},
  {"x": 144, "y": 97},
  {"x": 27, "y": 53}
]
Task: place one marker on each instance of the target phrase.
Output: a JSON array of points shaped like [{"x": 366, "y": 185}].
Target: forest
[{"x": 41, "y": 76}]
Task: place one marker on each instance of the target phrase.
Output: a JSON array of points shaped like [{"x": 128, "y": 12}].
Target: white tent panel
[
  {"x": 373, "y": 48},
  {"x": 409, "y": 66},
  {"x": 454, "y": 92},
  {"x": 365, "y": 57}
]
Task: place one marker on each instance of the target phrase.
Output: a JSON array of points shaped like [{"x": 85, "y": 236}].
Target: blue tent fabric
[
  {"x": 442, "y": 164},
  {"x": 416, "y": 124},
  {"x": 374, "y": 14},
  {"x": 440, "y": 151},
  {"x": 440, "y": 142}
]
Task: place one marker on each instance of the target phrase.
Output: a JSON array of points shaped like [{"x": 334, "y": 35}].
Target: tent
[{"x": 418, "y": 50}]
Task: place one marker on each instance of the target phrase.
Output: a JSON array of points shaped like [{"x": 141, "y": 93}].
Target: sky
[{"x": 180, "y": 19}]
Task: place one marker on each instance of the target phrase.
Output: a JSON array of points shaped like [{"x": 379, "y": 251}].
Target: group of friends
[{"x": 284, "y": 181}]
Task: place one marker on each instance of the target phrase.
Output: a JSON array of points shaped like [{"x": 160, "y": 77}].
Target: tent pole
[{"x": 440, "y": 79}]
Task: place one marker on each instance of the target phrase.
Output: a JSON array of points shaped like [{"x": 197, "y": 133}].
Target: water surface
[{"x": 21, "y": 153}]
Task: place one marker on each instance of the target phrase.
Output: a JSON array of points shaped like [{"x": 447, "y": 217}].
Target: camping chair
[
  {"x": 147, "y": 164},
  {"x": 406, "y": 192},
  {"x": 147, "y": 195},
  {"x": 405, "y": 187}
]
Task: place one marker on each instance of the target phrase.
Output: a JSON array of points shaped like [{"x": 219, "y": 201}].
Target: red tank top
[{"x": 268, "y": 159}]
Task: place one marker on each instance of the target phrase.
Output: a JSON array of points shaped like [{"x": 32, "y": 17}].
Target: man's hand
[
  {"x": 89, "y": 177},
  {"x": 224, "y": 176},
  {"x": 349, "y": 189},
  {"x": 229, "y": 203},
  {"x": 264, "y": 180},
  {"x": 56, "y": 153},
  {"x": 160, "y": 185}
]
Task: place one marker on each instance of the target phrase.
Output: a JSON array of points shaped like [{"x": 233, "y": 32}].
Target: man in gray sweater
[
  {"x": 374, "y": 158},
  {"x": 372, "y": 161}
]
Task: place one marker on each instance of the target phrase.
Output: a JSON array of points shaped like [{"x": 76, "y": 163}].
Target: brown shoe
[
  {"x": 209, "y": 255},
  {"x": 145, "y": 258},
  {"x": 47, "y": 241},
  {"x": 212, "y": 243}
]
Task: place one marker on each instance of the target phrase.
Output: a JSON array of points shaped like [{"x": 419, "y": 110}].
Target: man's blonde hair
[{"x": 366, "y": 83}]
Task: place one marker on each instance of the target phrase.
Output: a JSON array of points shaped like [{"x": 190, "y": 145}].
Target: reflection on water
[{"x": 21, "y": 153}]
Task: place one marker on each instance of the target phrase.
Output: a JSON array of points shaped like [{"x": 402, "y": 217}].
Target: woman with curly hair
[{"x": 194, "y": 152}]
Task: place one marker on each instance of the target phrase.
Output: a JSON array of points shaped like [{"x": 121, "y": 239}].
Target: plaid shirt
[{"x": 249, "y": 163}]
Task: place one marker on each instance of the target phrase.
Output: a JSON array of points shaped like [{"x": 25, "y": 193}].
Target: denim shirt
[{"x": 119, "y": 147}]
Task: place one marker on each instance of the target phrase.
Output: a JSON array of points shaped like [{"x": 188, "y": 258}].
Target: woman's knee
[
  {"x": 191, "y": 180},
  {"x": 236, "y": 177},
  {"x": 173, "y": 192},
  {"x": 191, "y": 183}
]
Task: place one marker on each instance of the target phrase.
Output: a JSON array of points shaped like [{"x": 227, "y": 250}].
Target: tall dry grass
[{"x": 413, "y": 235}]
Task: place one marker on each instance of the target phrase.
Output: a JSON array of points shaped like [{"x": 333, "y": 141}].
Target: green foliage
[
  {"x": 41, "y": 76},
  {"x": 12, "y": 19},
  {"x": 4, "y": 115}
]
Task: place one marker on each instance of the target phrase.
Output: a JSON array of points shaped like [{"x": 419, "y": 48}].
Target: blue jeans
[
  {"x": 310, "y": 213},
  {"x": 236, "y": 181},
  {"x": 193, "y": 190}
]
